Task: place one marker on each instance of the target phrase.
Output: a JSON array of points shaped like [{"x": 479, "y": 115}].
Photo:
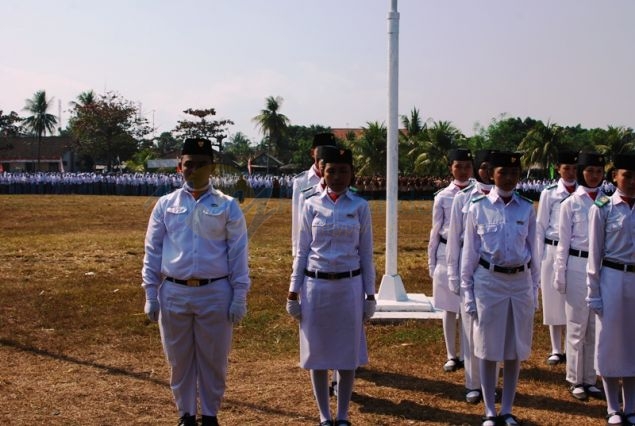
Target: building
[{"x": 20, "y": 154}]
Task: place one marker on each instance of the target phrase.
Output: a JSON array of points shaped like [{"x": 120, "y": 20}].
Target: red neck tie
[
  {"x": 506, "y": 200},
  {"x": 570, "y": 189},
  {"x": 592, "y": 195},
  {"x": 461, "y": 187},
  {"x": 333, "y": 196},
  {"x": 486, "y": 191}
]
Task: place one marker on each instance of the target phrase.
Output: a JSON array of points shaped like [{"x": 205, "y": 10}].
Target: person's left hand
[
  {"x": 237, "y": 310},
  {"x": 370, "y": 306}
]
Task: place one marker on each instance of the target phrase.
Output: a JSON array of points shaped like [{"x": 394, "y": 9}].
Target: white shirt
[
  {"x": 304, "y": 180},
  {"x": 335, "y": 237},
  {"x": 548, "y": 214},
  {"x": 188, "y": 238},
  {"x": 441, "y": 209},
  {"x": 611, "y": 236}
]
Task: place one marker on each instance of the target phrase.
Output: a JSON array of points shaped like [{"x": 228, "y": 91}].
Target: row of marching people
[{"x": 490, "y": 253}]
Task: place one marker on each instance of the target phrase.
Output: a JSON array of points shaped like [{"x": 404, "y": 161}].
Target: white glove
[
  {"x": 294, "y": 309},
  {"x": 595, "y": 305},
  {"x": 536, "y": 303},
  {"x": 470, "y": 309},
  {"x": 454, "y": 286},
  {"x": 237, "y": 310},
  {"x": 431, "y": 268},
  {"x": 151, "y": 309},
  {"x": 370, "y": 306},
  {"x": 561, "y": 287}
]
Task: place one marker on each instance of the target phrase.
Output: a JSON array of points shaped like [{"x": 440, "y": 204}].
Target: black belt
[
  {"x": 579, "y": 253},
  {"x": 443, "y": 240},
  {"x": 195, "y": 282},
  {"x": 551, "y": 242},
  {"x": 618, "y": 266},
  {"x": 332, "y": 275},
  {"x": 503, "y": 269}
]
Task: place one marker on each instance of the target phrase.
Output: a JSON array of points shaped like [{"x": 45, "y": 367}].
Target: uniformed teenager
[
  {"x": 305, "y": 181},
  {"x": 499, "y": 280},
  {"x": 460, "y": 204},
  {"x": 196, "y": 279},
  {"x": 461, "y": 169},
  {"x": 547, "y": 239},
  {"x": 611, "y": 289},
  {"x": 332, "y": 289},
  {"x": 572, "y": 253}
]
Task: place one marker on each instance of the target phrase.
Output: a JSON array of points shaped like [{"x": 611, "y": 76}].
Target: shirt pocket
[
  {"x": 490, "y": 236},
  {"x": 614, "y": 225},
  {"x": 212, "y": 223},
  {"x": 176, "y": 218}
]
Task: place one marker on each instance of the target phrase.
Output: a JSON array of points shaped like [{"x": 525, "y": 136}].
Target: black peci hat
[
  {"x": 586, "y": 159},
  {"x": 624, "y": 161},
  {"x": 567, "y": 157},
  {"x": 505, "y": 159},
  {"x": 197, "y": 146},
  {"x": 459, "y": 154},
  {"x": 321, "y": 139},
  {"x": 322, "y": 151},
  {"x": 338, "y": 156},
  {"x": 482, "y": 156}
]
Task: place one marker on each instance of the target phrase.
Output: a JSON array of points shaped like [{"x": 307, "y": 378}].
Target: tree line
[{"x": 109, "y": 129}]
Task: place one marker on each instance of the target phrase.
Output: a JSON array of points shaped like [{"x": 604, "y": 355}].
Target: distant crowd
[{"x": 240, "y": 186}]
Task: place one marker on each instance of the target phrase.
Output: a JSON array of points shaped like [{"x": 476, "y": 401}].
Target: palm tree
[
  {"x": 273, "y": 124},
  {"x": 369, "y": 150},
  {"x": 617, "y": 140},
  {"x": 409, "y": 138},
  {"x": 431, "y": 152},
  {"x": 84, "y": 99},
  {"x": 40, "y": 121},
  {"x": 542, "y": 144}
]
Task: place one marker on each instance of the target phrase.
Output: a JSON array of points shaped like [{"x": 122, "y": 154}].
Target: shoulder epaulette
[
  {"x": 479, "y": 198},
  {"x": 307, "y": 196},
  {"x": 438, "y": 191},
  {"x": 353, "y": 189},
  {"x": 522, "y": 197},
  {"x": 308, "y": 188},
  {"x": 553, "y": 185},
  {"x": 602, "y": 201},
  {"x": 468, "y": 188},
  {"x": 300, "y": 174}
]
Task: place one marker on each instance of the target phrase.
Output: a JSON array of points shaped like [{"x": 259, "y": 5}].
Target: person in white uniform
[
  {"x": 460, "y": 205},
  {"x": 546, "y": 241},
  {"x": 499, "y": 280},
  {"x": 611, "y": 289},
  {"x": 332, "y": 288},
  {"x": 196, "y": 278},
  {"x": 461, "y": 169},
  {"x": 572, "y": 253}
]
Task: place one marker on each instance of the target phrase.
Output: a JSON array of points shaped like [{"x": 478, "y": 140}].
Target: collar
[
  {"x": 562, "y": 187},
  {"x": 494, "y": 196}
]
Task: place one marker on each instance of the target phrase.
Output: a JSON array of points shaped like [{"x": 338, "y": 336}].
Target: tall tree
[
  {"x": 166, "y": 144},
  {"x": 273, "y": 125},
  {"x": 409, "y": 138},
  {"x": 108, "y": 129},
  {"x": 506, "y": 133},
  {"x": 617, "y": 140},
  {"x": 9, "y": 124},
  {"x": 431, "y": 153},
  {"x": 542, "y": 144},
  {"x": 369, "y": 150},
  {"x": 214, "y": 130},
  {"x": 240, "y": 147},
  {"x": 40, "y": 121}
]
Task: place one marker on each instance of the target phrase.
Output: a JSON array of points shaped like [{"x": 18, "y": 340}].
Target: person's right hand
[
  {"x": 151, "y": 309},
  {"x": 294, "y": 309}
]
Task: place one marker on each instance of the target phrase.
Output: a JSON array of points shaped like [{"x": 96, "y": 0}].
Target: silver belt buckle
[{"x": 193, "y": 282}]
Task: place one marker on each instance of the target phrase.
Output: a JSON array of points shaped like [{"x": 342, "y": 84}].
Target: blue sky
[{"x": 465, "y": 61}]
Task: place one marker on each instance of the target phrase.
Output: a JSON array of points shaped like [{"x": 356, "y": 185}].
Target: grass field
[{"x": 76, "y": 348}]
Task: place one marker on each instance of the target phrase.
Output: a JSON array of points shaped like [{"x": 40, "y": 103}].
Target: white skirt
[
  {"x": 332, "y": 328},
  {"x": 552, "y": 301},
  {"x": 442, "y": 297}
]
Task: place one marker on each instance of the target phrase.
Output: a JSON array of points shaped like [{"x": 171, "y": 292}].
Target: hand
[
  {"x": 454, "y": 286},
  {"x": 536, "y": 304},
  {"x": 431, "y": 270},
  {"x": 561, "y": 287},
  {"x": 370, "y": 306},
  {"x": 596, "y": 306},
  {"x": 151, "y": 309},
  {"x": 237, "y": 310},
  {"x": 470, "y": 309},
  {"x": 294, "y": 309}
]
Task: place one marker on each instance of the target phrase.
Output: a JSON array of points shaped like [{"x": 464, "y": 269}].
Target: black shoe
[
  {"x": 611, "y": 416},
  {"x": 555, "y": 359},
  {"x": 326, "y": 423},
  {"x": 629, "y": 419},
  {"x": 209, "y": 421},
  {"x": 579, "y": 392},
  {"x": 594, "y": 392},
  {"x": 473, "y": 396},
  {"x": 452, "y": 364},
  {"x": 508, "y": 419},
  {"x": 187, "y": 420},
  {"x": 342, "y": 423},
  {"x": 490, "y": 421}
]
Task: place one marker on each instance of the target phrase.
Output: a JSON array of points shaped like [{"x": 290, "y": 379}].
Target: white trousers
[{"x": 196, "y": 335}]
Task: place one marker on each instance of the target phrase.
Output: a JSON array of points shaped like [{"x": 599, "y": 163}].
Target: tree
[
  {"x": 616, "y": 140},
  {"x": 273, "y": 125},
  {"x": 108, "y": 128},
  {"x": 240, "y": 147},
  {"x": 409, "y": 138},
  {"x": 9, "y": 124},
  {"x": 542, "y": 144},
  {"x": 369, "y": 150},
  {"x": 431, "y": 153},
  {"x": 300, "y": 139},
  {"x": 166, "y": 144},
  {"x": 214, "y": 130},
  {"x": 506, "y": 134},
  {"x": 40, "y": 121}
]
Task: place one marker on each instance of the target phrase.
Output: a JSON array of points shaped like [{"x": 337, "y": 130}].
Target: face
[
  {"x": 506, "y": 178},
  {"x": 461, "y": 170},
  {"x": 593, "y": 175},
  {"x": 483, "y": 173},
  {"x": 196, "y": 169},
  {"x": 338, "y": 176},
  {"x": 567, "y": 171},
  {"x": 625, "y": 181}
]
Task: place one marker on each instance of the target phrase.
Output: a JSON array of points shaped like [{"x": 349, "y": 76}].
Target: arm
[
  {"x": 151, "y": 272},
  {"x": 433, "y": 244},
  {"x": 542, "y": 222},
  {"x": 565, "y": 230},
  {"x": 596, "y": 253},
  {"x": 366, "y": 250},
  {"x": 238, "y": 261},
  {"x": 469, "y": 261},
  {"x": 453, "y": 248}
]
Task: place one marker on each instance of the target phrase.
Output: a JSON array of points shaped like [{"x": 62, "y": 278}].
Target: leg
[
  {"x": 488, "y": 384},
  {"x": 628, "y": 385},
  {"x": 320, "y": 382},
  {"x": 511, "y": 371},
  {"x": 449, "y": 335},
  {"x": 612, "y": 392},
  {"x": 344, "y": 392}
]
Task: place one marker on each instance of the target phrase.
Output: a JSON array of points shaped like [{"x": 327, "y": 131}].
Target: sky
[{"x": 469, "y": 62}]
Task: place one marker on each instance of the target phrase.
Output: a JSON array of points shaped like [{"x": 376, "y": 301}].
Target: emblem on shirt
[{"x": 602, "y": 201}]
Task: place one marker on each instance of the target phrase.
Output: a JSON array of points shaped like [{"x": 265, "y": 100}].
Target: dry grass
[{"x": 76, "y": 349}]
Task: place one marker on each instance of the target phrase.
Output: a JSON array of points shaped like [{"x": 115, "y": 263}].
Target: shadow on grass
[{"x": 414, "y": 411}]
